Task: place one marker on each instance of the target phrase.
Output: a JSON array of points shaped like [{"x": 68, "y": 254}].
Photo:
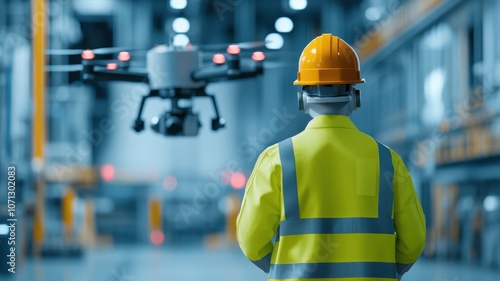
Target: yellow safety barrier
[
  {"x": 67, "y": 214},
  {"x": 155, "y": 217},
  {"x": 231, "y": 215}
]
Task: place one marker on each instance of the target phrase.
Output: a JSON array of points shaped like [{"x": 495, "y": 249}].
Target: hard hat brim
[{"x": 316, "y": 83}]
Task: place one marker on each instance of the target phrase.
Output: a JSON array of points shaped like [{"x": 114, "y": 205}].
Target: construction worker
[{"x": 330, "y": 203}]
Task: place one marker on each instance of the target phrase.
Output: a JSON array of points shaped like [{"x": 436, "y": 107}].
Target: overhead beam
[{"x": 375, "y": 47}]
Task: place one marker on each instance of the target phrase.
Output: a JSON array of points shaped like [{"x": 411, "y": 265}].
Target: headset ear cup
[
  {"x": 300, "y": 99},
  {"x": 357, "y": 94}
]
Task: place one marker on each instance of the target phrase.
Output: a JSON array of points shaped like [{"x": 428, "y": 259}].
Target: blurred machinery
[
  {"x": 491, "y": 231},
  {"x": 57, "y": 130},
  {"x": 15, "y": 130},
  {"x": 437, "y": 103}
]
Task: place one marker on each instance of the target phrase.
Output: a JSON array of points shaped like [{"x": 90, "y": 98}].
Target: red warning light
[
  {"x": 170, "y": 183},
  {"x": 112, "y": 66},
  {"x": 124, "y": 56},
  {"x": 258, "y": 56},
  {"x": 219, "y": 59},
  {"x": 238, "y": 180},
  {"x": 108, "y": 172},
  {"x": 233, "y": 49},
  {"x": 157, "y": 237},
  {"x": 88, "y": 55}
]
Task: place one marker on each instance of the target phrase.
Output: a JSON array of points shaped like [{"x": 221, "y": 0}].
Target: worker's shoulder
[
  {"x": 371, "y": 139},
  {"x": 394, "y": 155},
  {"x": 271, "y": 151}
]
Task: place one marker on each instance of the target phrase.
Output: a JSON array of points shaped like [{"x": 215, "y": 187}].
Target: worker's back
[
  {"x": 334, "y": 230},
  {"x": 330, "y": 203},
  {"x": 337, "y": 170}
]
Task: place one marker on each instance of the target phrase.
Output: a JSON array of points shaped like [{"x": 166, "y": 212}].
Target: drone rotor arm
[{"x": 114, "y": 75}]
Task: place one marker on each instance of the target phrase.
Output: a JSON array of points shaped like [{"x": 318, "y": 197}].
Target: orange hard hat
[{"x": 327, "y": 60}]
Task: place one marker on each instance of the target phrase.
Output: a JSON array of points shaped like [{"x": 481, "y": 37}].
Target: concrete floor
[{"x": 193, "y": 264}]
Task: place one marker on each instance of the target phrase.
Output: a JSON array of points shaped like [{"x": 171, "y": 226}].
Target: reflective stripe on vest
[
  {"x": 294, "y": 225},
  {"x": 289, "y": 176},
  {"x": 333, "y": 270}
]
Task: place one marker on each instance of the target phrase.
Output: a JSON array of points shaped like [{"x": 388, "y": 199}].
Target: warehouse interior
[{"x": 98, "y": 197}]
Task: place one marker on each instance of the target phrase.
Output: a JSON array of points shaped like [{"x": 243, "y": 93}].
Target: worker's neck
[{"x": 316, "y": 110}]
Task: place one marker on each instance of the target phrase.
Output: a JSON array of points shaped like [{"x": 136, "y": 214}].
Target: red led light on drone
[
  {"x": 258, "y": 56},
  {"x": 219, "y": 59},
  {"x": 88, "y": 55},
  {"x": 233, "y": 49},
  {"x": 112, "y": 66},
  {"x": 124, "y": 56}
]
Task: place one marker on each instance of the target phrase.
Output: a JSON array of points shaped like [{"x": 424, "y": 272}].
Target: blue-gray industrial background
[{"x": 107, "y": 203}]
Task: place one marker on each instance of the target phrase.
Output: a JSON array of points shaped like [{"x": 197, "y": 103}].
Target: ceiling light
[
  {"x": 297, "y": 4},
  {"x": 181, "y": 25},
  {"x": 283, "y": 25},
  {"x": 178, "y": 4},
  {"x": 373, "y": 13},
  {"x": 181, "y": 40},
  {"x": 274, "y": 41}
]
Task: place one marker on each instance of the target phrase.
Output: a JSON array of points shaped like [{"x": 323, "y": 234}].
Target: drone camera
[{"x": 179, "y": 123}]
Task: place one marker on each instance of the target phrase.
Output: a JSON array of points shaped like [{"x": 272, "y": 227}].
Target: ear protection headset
[{"x": 328, "y": 94}]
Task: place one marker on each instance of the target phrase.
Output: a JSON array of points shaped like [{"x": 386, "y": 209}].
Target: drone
[{"x": 174, "y": 73}]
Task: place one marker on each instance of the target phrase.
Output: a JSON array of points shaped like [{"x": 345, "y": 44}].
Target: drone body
[
  {"x": 170, "y": 67},
  {"x": 176, "y": 73}
]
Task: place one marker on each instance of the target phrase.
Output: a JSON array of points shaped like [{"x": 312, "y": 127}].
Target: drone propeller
[
  {"x": 98, "y": 51},
  {"x": 63, "y": 52},
  {"x": 242, "y": 45},
  {"x": 64, "y": 68},
  {"x": 251, "y": 45}
]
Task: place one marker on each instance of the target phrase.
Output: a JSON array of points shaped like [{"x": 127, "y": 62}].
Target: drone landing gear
[
  {"x": 185, "y": 113},
  {"x": 217, "y": 122},
  {"x": 139, "y": 123}
]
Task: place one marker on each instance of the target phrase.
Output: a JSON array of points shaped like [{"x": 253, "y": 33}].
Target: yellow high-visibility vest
[{"x": 331, "y": 203}]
